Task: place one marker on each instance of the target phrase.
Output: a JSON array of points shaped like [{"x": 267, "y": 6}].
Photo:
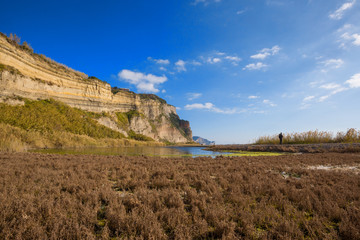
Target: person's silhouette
[{"x": 281, "y": 137}]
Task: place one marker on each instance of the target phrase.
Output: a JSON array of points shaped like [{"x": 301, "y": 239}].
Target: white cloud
[
  {"x": 199, "y": 106},
  {"x": 337, "y": 90},
  {"x": 354, "y": 81},
  {"x": 356, "y": 38},
  {"x": 192, "y": 96},
  {"x": 143, "y": 82},
  {"x": 163, "y": 91},
  {"x": 323, "y": 98},
  {"x": 330, "y": 86},
  {"x": 333, "y": 63},
  {"x": 255, "y": 66},
  {"x": 268, "y": 102},
  {"x": 162, "y": 61},
  {"x": 195, "y": 63},
  {"x": 220, "y": 53},
  {"x": 159, "y": 61},
  {"x": 348, "y": 34},
  {"x": 241, "y": 12},
  {"x": 253, "y": 97},
  {"x": 211, "y": 107},
  {"x": 347, "y": 37},
  {"x": 180, "y": 65},
  {"x": 264, "y": 53},
  {"x": 308, "y": 98},
  {"x": 213, "y": 60},
  {"x": 162, "y": 68},
  {"x": 338, "y": 14},
  {"x": 233, "y": 58},
  {"x": 261, "y": 56}
]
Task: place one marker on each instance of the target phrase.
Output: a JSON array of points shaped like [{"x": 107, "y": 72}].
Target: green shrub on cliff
[
  {"x": 53, "y": 116},
  {"x": 145, "y": 96},
  {"x": 139, "y": 137}
]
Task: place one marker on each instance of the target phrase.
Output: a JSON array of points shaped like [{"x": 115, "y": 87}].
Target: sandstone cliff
[{"x": 33, "y": 76}]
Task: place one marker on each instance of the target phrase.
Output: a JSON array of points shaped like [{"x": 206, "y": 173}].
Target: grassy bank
[
  {"x": 48, "y": 196},
  {"x": 311, "y": 137},
  {"x": 52, "y": 124},
  {"x": 15, "y": 139}
]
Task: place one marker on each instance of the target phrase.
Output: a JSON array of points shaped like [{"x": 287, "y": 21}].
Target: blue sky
[{"x": 236, "y": 69}]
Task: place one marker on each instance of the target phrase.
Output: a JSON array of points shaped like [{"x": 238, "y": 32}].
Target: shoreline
[{"x": 291, "y": 148}]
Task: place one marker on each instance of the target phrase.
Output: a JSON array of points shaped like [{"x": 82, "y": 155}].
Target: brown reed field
[
  {"x": 306, "y": 196},
  {"x": 351, "y": 136}
]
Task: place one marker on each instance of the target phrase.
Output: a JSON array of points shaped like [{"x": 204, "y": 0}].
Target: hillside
[
  {"x": 26, "y": 76},
  {"x": 203, "y": 141}
]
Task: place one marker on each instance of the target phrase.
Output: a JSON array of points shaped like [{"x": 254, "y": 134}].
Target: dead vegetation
[
  {"x": 291, "y": 148},
  {"x": 313, "y": 137},
  {"x": 47, "y": 196}
]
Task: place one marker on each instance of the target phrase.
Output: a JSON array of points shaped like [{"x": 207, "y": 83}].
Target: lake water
[{"x": 138, "y": 151}]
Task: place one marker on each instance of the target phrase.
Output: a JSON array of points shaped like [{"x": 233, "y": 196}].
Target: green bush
[{"x": 139, "y": 137}]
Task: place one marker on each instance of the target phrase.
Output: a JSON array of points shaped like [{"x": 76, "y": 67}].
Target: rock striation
[{"x": 33, "y": 76}]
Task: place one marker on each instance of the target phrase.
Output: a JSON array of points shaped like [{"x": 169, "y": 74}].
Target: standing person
[{"x": 281, "y": 137}]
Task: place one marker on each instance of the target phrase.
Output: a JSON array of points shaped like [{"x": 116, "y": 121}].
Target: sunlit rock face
[{"x": 27, "y": 75}]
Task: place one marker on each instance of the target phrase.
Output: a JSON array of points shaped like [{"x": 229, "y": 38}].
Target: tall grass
[
  {"x": 53, "y": 116},
  {"x": 15, "y": 139},
  {"x": 351, "y": 136},
  {"x": 52, "y": 124}
]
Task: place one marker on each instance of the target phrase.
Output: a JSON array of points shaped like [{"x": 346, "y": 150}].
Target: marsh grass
[
  {"x": 351, "y": 136},
  {"x": 47, "y": 196}
]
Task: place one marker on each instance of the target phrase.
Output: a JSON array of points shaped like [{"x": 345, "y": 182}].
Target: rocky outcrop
[
  {"x": 28, "y": 75},
  {"x": 203, "y": 141}
]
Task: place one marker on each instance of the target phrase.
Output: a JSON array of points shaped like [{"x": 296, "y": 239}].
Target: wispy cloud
[
  {"x": 353, "y": 38},
  {"x": 255, "y": 66},
  {"x": 268, "y": 102},
  {"x": 143, "y": 82},
  {"x": 213, "y": 60},
  {"x": 205, "y": 2},
  {"x": 159, "y": 61},
  {"x": 323, "y": 98},
  {"x": 264, "y": 53},
  {"x": 211, "y": 108},
  {"x": 330, "y": 86},
  {"x": 192, "y": 96},
  {"x": 253, "y": 97},
  {"x": 338, "y": 14},
  {"x": 308, "y": 98},
  {"x": 207, "y": 106},
  {"x": 348, "y": 35},
  {"x": 354, "y": 81},
  {"x": 333, "y": 63},
  {"x": 180, "y": 65},
  {"x": 233, "y": 59},
  {"x": 239, "y": 12}
]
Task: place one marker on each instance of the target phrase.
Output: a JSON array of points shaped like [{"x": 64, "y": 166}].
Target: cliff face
[{"x": 33, "y": 76}]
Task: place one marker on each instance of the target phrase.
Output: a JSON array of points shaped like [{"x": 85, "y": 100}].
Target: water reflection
[{"x": 138, "y": 151}]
